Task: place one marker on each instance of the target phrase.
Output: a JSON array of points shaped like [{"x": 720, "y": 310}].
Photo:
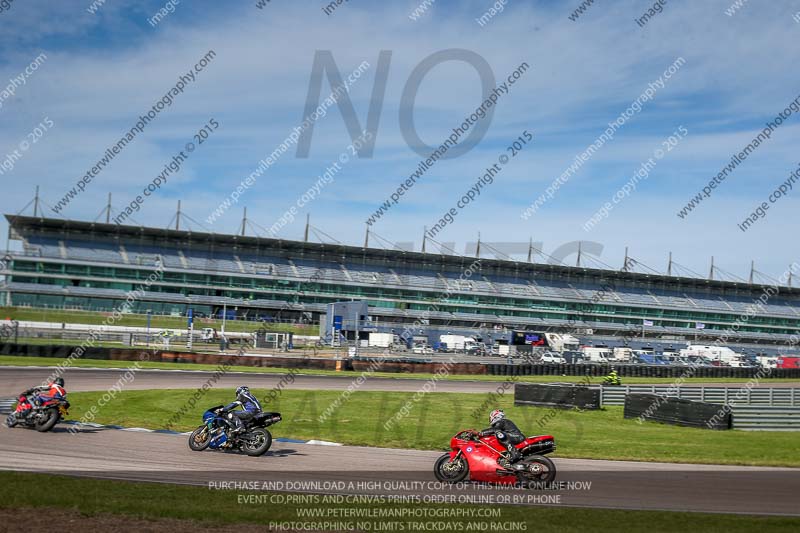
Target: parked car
[
  {"x": 208, "y": 334},
  {"x": 699, "y": 360},
  {"x": 677, "y": 360},
  {"x": 553, "y": 358},
  {"x": 646, "y": 359},
  {"x": 662, "y": 360},
  {"x": 573, "y": 357},
  {"x": 480, "y": 350}
]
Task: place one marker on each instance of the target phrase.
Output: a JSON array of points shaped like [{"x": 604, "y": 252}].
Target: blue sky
[{"x": 105, "y": 69}]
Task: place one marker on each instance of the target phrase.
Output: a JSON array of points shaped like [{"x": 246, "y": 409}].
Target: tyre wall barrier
[
  {"x": 47, "y": 350},
  {"x": 677, "y": 411},
  {"x": 402, "y": 365},
  {"x": 365, "y": 364},
  {"x": 564, "y": 395},
  {"x": 116, "y": 354},
  {"x": 647, "y": 371}
]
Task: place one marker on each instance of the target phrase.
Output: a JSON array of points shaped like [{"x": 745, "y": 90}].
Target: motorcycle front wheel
[
  {"x": 51, "y": 418},
  {"x": 539, "y": 471},
  {"x": 448, "y": 471},
  {"x": 256, "y": 442},
  {"x": 11, "y": 420},
  {"x": 200, "y": 439}
]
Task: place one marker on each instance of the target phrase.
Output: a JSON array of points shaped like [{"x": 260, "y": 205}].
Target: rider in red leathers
[{"x": 36, "y": 396}]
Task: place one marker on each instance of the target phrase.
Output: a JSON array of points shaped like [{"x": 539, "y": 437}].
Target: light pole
[
  {"x": 149, "y": 314},
  {"x": 224, "y": 314},
  {"x": 191, "y": 328}
]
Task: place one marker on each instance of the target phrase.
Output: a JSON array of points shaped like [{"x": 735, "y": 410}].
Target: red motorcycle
[
  {"x": 42, "y": 416},
  {"x": 476, "y": 456}
]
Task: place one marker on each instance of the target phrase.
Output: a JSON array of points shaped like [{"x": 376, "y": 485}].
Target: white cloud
[{"x": 738, "y": 74}]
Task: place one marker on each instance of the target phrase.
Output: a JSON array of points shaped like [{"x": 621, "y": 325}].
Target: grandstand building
[{"x": 92, "y": 266}]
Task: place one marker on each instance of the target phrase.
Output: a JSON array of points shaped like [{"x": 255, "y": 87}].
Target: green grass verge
[
  {"x": 156, "y": 321},
  {"x": 12, "y": 360},
  {"x": 156, "y": 501},
  {"x": 434, "y": 418}
]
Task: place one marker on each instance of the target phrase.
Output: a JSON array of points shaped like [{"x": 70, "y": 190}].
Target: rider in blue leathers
[{"x": 250, "y": 407}]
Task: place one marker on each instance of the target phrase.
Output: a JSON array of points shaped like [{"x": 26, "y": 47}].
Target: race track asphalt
[
  {"x": 14, "y": 380},
  {"x": 166, "y": 458}
]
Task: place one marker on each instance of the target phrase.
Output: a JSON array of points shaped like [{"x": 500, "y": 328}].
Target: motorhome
[
  {"x": 562, "y": 342},
  {"x": 721, "y": 354}
]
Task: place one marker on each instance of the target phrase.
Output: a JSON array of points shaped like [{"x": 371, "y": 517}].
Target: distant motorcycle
[
  {"x": 215, "y": 433},
  {"x": 476, "y": 457},
  {"x": 42, "y": 416}
]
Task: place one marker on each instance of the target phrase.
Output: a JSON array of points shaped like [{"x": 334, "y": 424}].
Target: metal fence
[
  {"x": 764, "y": 396},
  {"x": 766, "y": 418},
  {"x": 6, "y": 404},
  {"x": 755, "y": 409}
]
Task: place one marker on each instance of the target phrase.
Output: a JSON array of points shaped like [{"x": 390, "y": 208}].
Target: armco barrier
[
  {"x": 677, "y": 411},
  {"x": 766, "y": 418},
  {"x": 734, "y": 395},
  {"x": 564, "y": 395}
]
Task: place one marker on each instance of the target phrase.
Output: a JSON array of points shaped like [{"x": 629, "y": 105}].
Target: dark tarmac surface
[
  {"x": 306, "y": 468},
  {"x": 14, "y": 380},
  {"x": 297, "y": 467}
]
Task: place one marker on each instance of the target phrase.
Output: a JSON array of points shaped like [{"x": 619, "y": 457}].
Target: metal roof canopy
[{"x": 19, "y": 226}]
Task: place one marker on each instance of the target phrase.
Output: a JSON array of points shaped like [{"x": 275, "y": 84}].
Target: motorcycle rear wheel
[
  {"x": 258, "y": 442},
  {"x": 11, "y": 420},
  {"x": 541, "y": 471},
  {"x": 53, "y": 416},
  {"x": 448, "y": 471},
  {"x": 199, "y": 439}
]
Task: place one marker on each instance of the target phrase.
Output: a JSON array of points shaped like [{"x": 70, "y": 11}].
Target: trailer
[
  {"x": 788, "y": 361},
  {"x": 623, "y": 354}
]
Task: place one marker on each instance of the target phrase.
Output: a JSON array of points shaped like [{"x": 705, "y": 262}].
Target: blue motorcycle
[{"x": 215, "y": 433}]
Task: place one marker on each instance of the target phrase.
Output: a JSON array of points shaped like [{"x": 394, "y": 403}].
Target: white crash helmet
[{"x": 496, "y": 416}]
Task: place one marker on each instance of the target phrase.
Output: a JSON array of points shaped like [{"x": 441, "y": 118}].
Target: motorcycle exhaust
[{"x": 518, "y": 467}]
